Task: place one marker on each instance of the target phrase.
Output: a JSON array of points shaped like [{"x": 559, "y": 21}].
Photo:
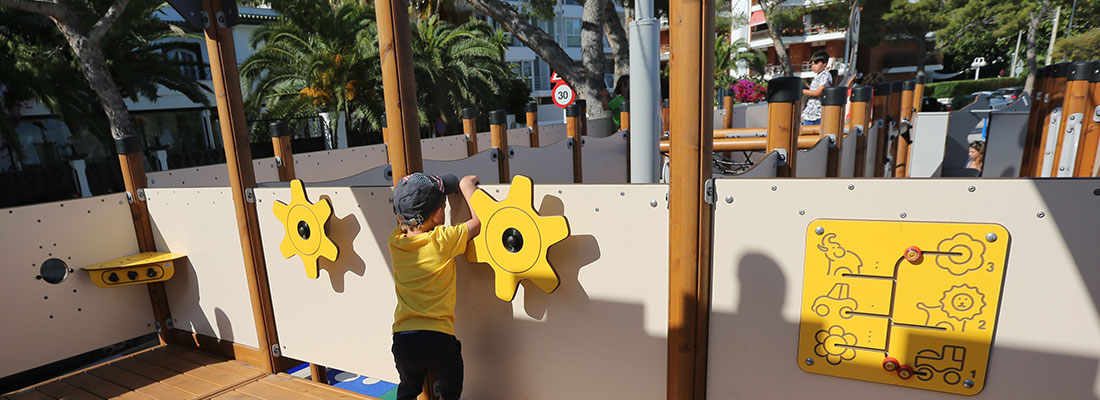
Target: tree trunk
[
  {"x": 1032, "y": 33},
  {"x": 592, "y": 57},
  {"x": 777, "y": 41},
  {"x": 617, "y": 37},
  {"x": 94, "y": 67}
]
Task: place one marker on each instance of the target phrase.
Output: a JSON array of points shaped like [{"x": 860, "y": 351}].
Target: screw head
[
  {"x": 809, "y": 361},
  {"x": 774, "y": 188},
  {"x": 801, "y": 212},
  {"x": 968, "y": 384},
  {"x": 819, "y": 230},
  {"x": 991, "y": 237},
  {"x": 851, "y": 187},
  {"x": 1096, "y": 192},
  {"x": 729, "y": 199},
  {"x": 903, "y": 215},
  {"x": 971, "y": 189},
  {"x": 653, "y": 203},
  {"x": 1040, "y": 214}
]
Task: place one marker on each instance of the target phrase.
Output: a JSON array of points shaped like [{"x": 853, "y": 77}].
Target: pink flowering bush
[{"x": 746, "y": 91}]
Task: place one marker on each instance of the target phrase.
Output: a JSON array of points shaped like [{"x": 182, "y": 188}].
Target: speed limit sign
[{"x": 563, "y": 95}]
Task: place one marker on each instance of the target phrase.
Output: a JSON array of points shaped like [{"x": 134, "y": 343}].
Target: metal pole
[
  {"x": 1072, "y": 11},
  {"x": 1016, "y": 53},
  {"x": 1053, "y": 34},
  {"x": 645, "y": 95}
]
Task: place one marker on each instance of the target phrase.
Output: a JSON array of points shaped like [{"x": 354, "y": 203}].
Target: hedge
[{"x": 952, "y": 89}]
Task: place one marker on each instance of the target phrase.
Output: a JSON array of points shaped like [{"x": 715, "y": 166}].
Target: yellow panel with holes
[
  {"x": 136, "y": 269},
  {"x": 904, "y": 303},
  {"x": 514, "y": 239}
]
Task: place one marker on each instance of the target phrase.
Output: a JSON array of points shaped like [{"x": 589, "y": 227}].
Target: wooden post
[
  {"x": 833, "y": 99},
  {"x": 880, "y": 104},
  {"x": 1073, "y": 116},
  {"x": 893, "y": 109},
  {"x": 284, "y": 156},
  {"x": 1090, "y": 138},
  {"x": 901, "y": 163},
  {"x": 583, "y": 116},
  {"x": 572, "y": 130},
  {"x": 624, "y": 116},
  {"x": 469, "y": 128},
  {"x": 533, "y": 123},
  {"x": 664, "y": 118},
  {"x": 691, "y": 94},
  {"x": 784, "y": 98},
  {"x": 133, "y": 177},
  {"x": 918, "y": 92},
  {"x": 499, "y": 138},
  {"x": 242, "y": 178},
  {"x": 727, "y": 105},
  {"x": 861, "y": 112},
  {"x": 1057, "y": 89},
  {"x": 1034, "y": 129},
  {"x": 399, "y": 87}
]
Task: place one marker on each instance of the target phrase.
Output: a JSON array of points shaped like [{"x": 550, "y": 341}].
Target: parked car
[{"x": 1004, "y": 96}]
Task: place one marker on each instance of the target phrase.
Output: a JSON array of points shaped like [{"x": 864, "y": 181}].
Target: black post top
[
  {"x": 573, "y": 110},
  {"x": 834, "y": 96},
  {"x": 861, "y": 94},
  {"x": 532, "y": 107},
  {"x": 1080, "y": 71},
  {"x": 784, "y": 89},
  {"x": 469, "y": 113},
  {"x": 625, "y": 106},
  {"x": 127, "y": 145},
  {"x": 279, "y": 129},
  {"x": 909, "y": 85},
  {"x": 497, "y": 117},
  {"x": 883, "y": 89}
]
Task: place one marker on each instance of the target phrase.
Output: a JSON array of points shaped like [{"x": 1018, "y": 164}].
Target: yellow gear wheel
[
  {"x": 304, "y": 223},
  {"x": 514, "y": 239}
]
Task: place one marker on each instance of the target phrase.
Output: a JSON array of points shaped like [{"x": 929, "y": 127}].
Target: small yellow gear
[
  {"x": 962, "y": 302},
  {"x": 514, "y": 239},
  {"x": 304, "y": 223}
]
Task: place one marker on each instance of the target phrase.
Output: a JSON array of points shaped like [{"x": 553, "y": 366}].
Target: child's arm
[{"x": 468, "y": 185}]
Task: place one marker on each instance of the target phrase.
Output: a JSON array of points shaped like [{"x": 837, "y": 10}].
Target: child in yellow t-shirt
[{"x": 423, "y": 249}]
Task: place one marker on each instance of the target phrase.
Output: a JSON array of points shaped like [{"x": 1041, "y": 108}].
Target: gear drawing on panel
[
  {"x": 960, "y": 254},
  {"x": 835, "y": 345}
]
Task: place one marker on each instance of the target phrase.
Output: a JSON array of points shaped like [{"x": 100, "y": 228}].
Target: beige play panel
[{"x": 904, "y": 303}]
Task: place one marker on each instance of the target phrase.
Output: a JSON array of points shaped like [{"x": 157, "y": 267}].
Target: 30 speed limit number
[{"x": 563, "y": 95}]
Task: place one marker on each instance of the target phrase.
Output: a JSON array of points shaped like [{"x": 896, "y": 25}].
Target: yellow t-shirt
[{"x": 424, "y": 277}]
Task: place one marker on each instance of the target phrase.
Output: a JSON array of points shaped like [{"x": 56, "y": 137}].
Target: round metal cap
[
  {"x": 127, "y": 145},
  {"x": 1080, "y": 71},
  {"x": 784, "y": 89},
  {"x": 834, "y": 96},
  {"x": 279, "y": 129},
  {"x": 497, "y": 117},
  {"x": 861, "y": 94},
  {"x": 882, "y": 89},
  {"x": 469, "y": 113}
]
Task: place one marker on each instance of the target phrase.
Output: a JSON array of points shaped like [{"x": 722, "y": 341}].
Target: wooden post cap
[
  {"x": 582, "y": 103},
  {"x": 532, "y": 107},
  {"x": 469, "y": 113},
  {"x": 1080, "y": 71},
  {"x": 279, "y": 129},
  {"x": 909, "y": 85},
  {"x": 784, "y": 89},
  {"x": 882, "y": 89},
  {"x": 861, "y": 94},
  {"x": 625, "y": 106},
  {"x": 1095, "y": 77},
  {"x": 498, "y": 117},
  {"x": 1060, "y": 70},
  {"x": 834, "y": 96},
  {"x": 923, "y": 79},
  {"x": 127, "y": 145},
  {"x": 573, "y": 110}
]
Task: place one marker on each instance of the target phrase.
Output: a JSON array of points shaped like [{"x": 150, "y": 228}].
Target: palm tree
[
  {"x": 728, "y": 56},
  {"x": 458, "y": 66},
  {"x": 323, "y": 59}
]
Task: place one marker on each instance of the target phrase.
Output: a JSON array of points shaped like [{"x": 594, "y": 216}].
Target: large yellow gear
[
  {"x": 514, "y": 239},
  {"x": 304, "y": 223}
]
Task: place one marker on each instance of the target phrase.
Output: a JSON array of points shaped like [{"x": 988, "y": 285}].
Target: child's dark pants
[{"x": 416, "y": 353}]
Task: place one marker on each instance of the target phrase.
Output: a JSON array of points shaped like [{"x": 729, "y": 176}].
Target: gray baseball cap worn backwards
[{"x": 420, "y": 194}]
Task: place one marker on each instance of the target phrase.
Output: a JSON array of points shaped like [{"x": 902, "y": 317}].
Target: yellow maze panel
[{"x": 904, "y": 303}]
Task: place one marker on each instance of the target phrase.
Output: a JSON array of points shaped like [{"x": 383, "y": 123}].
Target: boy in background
[
  {"x": 422, "y": 250},
  {"x": 811, "y": 114}
]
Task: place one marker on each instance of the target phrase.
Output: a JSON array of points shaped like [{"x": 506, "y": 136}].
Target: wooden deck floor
[{"x": 177, "y": 373}]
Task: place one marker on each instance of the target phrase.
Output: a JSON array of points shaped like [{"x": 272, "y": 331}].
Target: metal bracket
[
  {"x": 832, "y": 139},
  {"x": 530, "y": 130},
  {"x": 276, "y": 351},
  {"x": 1070, "y": 142},
  {"x": 782, "y": 157},
  {"x": 388, "y": 172},
  {"x": 857, "y": 130},
  {"x": 249, "y": 196},
  {"x": 278, "y": 161},
  {"x": 156, "y": 325},
  {"x": 205, "y": 20},
  {"x": 141, "y": 194},
  {"x": 626, "y": 135},
  {"x": 494, "y": 155},
  {"x": 169, "y": 323},
  {"x": 1096, "y": 114},
  {"x": 129, "y": 197},
  {"x": 569, "y": 143},
  {"x": 709, "y": 191},
  {"x": 511, "y": 152}
]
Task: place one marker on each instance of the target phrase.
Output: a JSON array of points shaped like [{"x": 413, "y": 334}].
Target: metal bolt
[
  {"x": 1040, "y": 214},
  {"x": 801, "y": 212},
  {"x": 653, "y": 203},
  {"x": 622, "y": 194},
  {"x": 809, "y": 361},
  {"x": 774, "y": 188},
  {"x": 991, "y": 237},
  {"x": 1061, "y": 168},
  {"x": 903, "y": 215},
  {"x": 851, "y": 187},
  {"x": 819, "y": 231},
  {"x": 1096, "y": 192},
  {"x": 729, "y": 199},
  {"x": 972, "y": 189},
  {"x": 597, "y": 209},
  {"x": 968, "y": 384}
]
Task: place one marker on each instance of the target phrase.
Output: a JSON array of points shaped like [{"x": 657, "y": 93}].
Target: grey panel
[{"x": 1004, "y": 147}]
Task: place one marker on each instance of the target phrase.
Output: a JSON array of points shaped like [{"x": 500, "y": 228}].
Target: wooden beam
[
  {"x": 861, "y": 113},
  {"x": 399, "y": 87},
  {"x": 727, "y": 106},
  {"x": 572, "y": 131},
  {"x": 748, "y": 144},
  {"x": 880, "y": 103},
  {"x": 284, "y": 155},
  {"x": 691, "y": 98},
  {"x": 1057, "y": 90},
  {"x": 901, "y": 163},
  {"x": 1090, "y": 140},
  {"x": 238, "y": 155},
  {"x": 833, "y": 100},
  {"x": 469, "y": 128},
  {"x": 784, "y": 115},
  {"x": 499, "y": 137},
  {"x": 1073, "y": 111},
  {"x": 533, "y": 123},
  {"x": 1039, "y": 99}
]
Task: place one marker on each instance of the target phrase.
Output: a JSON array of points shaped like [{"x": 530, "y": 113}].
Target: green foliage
[
  {"x": 726, "y": 57},
  {"x": 1082, "y": 47},
  {"x": 966, "y": 87},
  {"x": 36, "y": 63}
]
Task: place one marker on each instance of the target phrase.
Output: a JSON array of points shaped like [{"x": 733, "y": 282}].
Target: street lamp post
[{"x": 977, "y": 65}]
